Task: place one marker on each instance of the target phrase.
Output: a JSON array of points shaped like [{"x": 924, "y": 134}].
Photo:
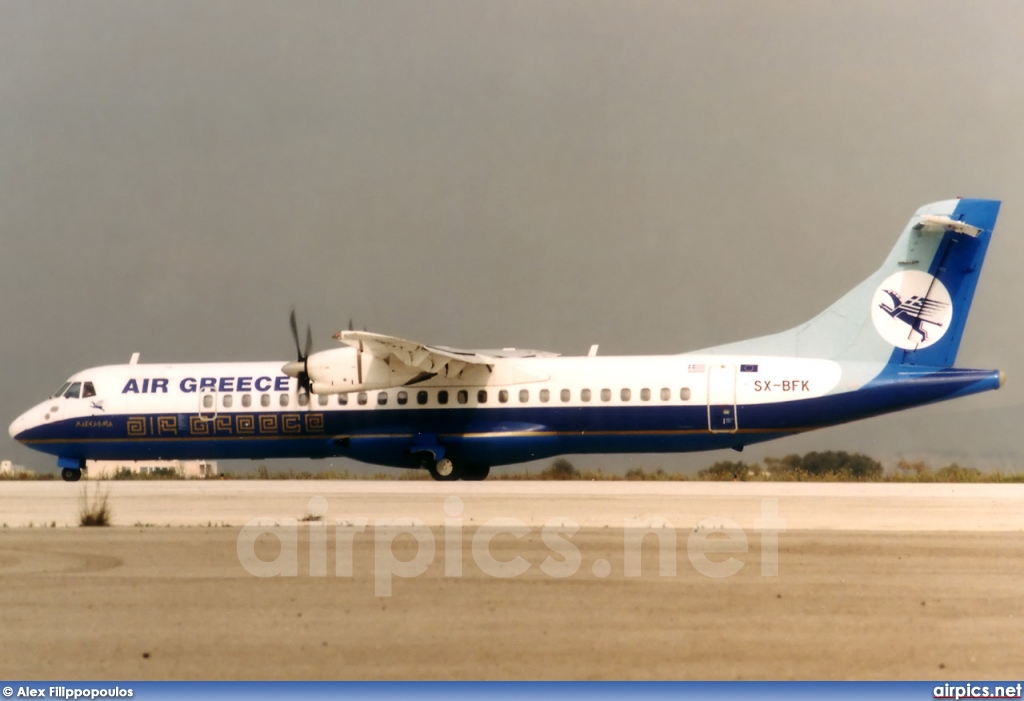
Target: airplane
[{"x": 457, "y": 413}]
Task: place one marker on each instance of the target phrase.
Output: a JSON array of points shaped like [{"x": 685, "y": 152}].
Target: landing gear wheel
[
  {"x": 476, "y": 473},
  {"x": 444, "y": 470},
  {"x": 69, "y": 475}
]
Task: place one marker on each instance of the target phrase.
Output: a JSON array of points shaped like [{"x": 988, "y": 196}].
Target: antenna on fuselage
[{"x": 135, "y": 358}]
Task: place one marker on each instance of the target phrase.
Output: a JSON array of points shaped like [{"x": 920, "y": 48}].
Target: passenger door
[{"x": 722, "y": 399}]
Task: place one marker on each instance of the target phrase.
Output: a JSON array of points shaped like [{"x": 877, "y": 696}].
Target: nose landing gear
[{"x": 71, "y": 468}]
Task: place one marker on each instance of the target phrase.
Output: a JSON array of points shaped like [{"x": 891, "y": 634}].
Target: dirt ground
[{"x": 177, "y": 603}]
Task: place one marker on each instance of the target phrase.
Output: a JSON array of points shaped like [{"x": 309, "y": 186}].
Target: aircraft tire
[
  {"x": 476, "y": 473},
  {"x": 69, "y": 475},
  {"x": 444, "y": 470}
]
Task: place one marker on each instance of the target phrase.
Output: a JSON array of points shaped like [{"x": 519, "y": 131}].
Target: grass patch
[
  {"x": 94, "y": 509},
  {"x": 160, "y": 473},
  {"x": 27, "y": 476}
]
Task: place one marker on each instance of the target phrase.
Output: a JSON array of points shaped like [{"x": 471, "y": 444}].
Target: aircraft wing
[{"x": 446, "y": 362}]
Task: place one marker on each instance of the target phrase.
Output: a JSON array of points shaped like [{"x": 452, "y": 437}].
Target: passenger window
[
  {"x": 321, "y": 399},
  {"x": 361, "y": 399},
  {"x": 645, "y": 395},
  {"x": 625, "y": 394},
  {"x": 228, "y": 401},
  {"x": 545, "y": 395},
  {"x": 284, "y": 400},
  {"x": 503, "y": 396},
  {"x": 88, "y": 390},
  {"x": 524, "y": 395},
  {"x": 264, "y": 400},
  {"x": 442, "y": 396},
  {"x": 684, "y": 393},
  {"x": 566, "y": 395},
  {"x": 382, "y": 398},
  {"x": 421, "y": 397},
  {"x": 606, "y": 395},
  {"x": 303, "y": 399},
  {"x": 74, "y": 391},
  {"x": 207, "y": 401},
  {"x": 246, "y": 400},
  {"x": 403, "y": 397},
  {"x": 463, "y": 396},
  {"x": 585, "y": 395},
  {"x": 481, "y": 396},
  {"x": 342, "y": 399},
  {"x": 665, "y": 394}
]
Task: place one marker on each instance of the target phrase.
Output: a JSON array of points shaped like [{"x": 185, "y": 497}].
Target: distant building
[
  {"x": 184, "y": 469},
  {"x": 9, "y": 469}
]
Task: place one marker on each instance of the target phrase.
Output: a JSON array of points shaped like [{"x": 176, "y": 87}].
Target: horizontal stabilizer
[{"x": 939, "y": 224}]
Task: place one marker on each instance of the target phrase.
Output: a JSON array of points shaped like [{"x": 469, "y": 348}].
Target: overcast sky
[{"x": 652, "y": 176}]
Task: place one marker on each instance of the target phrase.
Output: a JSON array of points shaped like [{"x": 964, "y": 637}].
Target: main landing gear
[
  {"x": 70, "y": 475},
  {"x": 444, "y": 470}
]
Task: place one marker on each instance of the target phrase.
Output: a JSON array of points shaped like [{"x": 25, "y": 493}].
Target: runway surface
[
  {"x": 861, "y": 581},
  {"x": 830, "y": 506}
]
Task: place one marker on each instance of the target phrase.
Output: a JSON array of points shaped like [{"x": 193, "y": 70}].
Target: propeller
[{"x": 298, "y": 369}]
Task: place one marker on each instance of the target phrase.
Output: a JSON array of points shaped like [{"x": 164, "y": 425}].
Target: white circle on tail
[{"x": 911, "y": 309}]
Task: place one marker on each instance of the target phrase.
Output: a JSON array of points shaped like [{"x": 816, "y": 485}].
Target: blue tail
[{"x": 913, "y": 309}]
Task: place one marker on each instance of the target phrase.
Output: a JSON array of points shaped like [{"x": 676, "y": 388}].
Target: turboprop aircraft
[{"x": 888, "y": 344}]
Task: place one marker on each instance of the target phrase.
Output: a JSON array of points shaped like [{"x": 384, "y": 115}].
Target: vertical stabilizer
[{"x": 913, "y": 309}]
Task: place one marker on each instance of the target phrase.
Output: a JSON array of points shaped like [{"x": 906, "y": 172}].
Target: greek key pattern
[{"x": 194, "y": 425}]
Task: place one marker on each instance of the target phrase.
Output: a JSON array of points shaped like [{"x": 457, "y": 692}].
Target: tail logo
[{"x": 911, "y": 309}]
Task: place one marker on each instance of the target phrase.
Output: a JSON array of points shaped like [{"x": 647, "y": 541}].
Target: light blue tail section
[{"x": 913, "y": 309}]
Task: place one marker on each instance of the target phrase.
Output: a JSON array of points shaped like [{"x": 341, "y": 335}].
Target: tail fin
[{"x": 912, "y": 311}]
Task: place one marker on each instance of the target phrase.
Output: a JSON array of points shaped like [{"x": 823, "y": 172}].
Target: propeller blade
[
  {"x": 297, "y": 369},
  {"x": 295, "y": 334}
]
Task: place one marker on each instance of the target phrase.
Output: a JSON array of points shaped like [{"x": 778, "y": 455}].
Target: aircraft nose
[
  {"x": 20, "y": 425},
  {"x": 17, "y": 426}
]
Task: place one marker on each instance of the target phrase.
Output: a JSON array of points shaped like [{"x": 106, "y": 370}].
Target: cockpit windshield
[{"x": 76, "y": 390}]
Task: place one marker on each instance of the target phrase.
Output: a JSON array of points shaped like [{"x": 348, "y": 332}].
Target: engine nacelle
[{"x": 349, "y": 370}]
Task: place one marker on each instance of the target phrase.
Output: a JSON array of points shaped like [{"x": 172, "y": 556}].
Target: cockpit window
[
  {"x": 75, "y": 391},
  {"x": 62, "y": 390},
  {"x": 88, "y": 390}
]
